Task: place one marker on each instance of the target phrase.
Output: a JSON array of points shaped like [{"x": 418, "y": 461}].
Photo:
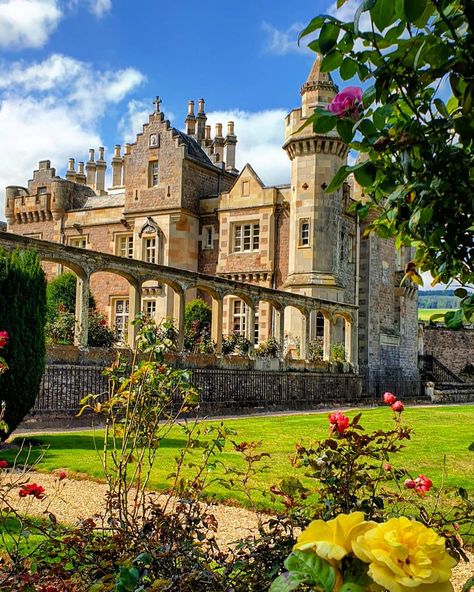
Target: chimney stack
[
  {"x": 201, "y": 121},
  {"x": 91, "y": 169},
  {"x": 101, "y": 166},
  {"x": 218, "y": 144},
  {"x": 117, "y": 167},
  {"x": 229, "y": 145},
  {"x": 190, "y": 121},
  {"x": 71, "y": 173},
  {"x": 81, "y": 176}
]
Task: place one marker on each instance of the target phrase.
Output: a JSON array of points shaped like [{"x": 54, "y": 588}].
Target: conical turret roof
[{"x": 317, "y": 79}]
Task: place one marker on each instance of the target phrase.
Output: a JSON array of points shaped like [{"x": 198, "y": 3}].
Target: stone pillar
[
  {"x": 101, "y": 166},
  {"x": 251, "y": 327},
  {"x": 117, "y": 166},
  {"x": 327, "y": 339},
  {"x": 305, "y": 335},
  {"x": 81, "y": 325},
  {"x": 201, "y": 122},
  {"x": 135, "y": 308},
  {"x": 279, "y": 334},
  {"x": 181, "y": 314},
  {"x": 348, "y": 340},
  {"x": 216, "y": 325},
  {"x": 355, "y": 341}
]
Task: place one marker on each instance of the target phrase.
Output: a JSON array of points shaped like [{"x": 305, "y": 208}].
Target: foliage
[
  {"x": 338, "y": 352},
  {"x": 316, "y": 349},
  {"x": 61, "y": 295},
  {"x": 235, "y": 344},
  {"x": 60, "y": 329},
  {"x": 22, "y": 315},
  {"x": 197, "y": 310},
  {"x": 417, "y": 148},
  {"x": 270, "y": 348}
]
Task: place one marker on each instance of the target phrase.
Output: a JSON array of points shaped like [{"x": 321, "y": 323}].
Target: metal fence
[{"x": 222, "y": 391}]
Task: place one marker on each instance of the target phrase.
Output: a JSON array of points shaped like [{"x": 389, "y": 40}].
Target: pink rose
[
  {"x": 410, "y": 484},
  {"x": 387, "y": 466},
  {"x": 421, "y": 484},
  {"x": 389, "y": 398},
  {"x": 339, "y": 422},
  {"x": 398, "y": 407},
  {"x": 347, "y": 103},
  {"x": 4, "y": 337}
]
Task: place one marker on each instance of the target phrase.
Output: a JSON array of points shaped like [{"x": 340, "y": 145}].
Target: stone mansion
[{"x": 178, "y": 200}]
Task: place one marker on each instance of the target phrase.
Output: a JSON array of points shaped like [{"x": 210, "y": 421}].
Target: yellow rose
[
  {"x": 332, "y": 540},
  {"x": 403, "y": 555}
]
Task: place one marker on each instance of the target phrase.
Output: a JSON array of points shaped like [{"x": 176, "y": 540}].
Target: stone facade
[
  {"x": 177, "y": 200},
  {"x": 454, "y": 349}
]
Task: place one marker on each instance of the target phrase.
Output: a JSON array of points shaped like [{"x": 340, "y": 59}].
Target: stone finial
[
  {"x": 80, "y": 168},
  {"x": 117, "y": 167},
  {"x": 218, "y": 144},
  {"x": 201, "y": 106},
  {"x": 190, "y": 121},
  {"x": 91, "y": 154},
  {"x": 101, "y": 167},
  {"x": 101, "y": 153},
  {"x": 201, "y": 122},
  {"x": 157, "y": 102}
]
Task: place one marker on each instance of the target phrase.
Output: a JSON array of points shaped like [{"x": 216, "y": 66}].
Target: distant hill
[{"x": 435, "y": 299}]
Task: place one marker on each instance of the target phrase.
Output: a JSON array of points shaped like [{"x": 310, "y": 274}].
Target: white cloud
[
  {"x": 260, "y": 137},
  {"x": 27, "y": 23},
  {"x": 100, "y": 7},
  {"x": 131, "y": 123},
  {"x": 52, "y": 109},
  {"x": 284, "y": 42}
]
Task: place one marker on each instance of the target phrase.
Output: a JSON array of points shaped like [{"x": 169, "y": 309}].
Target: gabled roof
[
  {"x": 248, "y": 167},
  {"x": 194, "y": 150}
]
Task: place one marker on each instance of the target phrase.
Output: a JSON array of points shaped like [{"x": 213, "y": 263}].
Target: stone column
[
  {"x": 355, "y": 341},
  {"x": 327, "y": 339},
  {"x": 251, "y": 327},
  {"x": 135, "y": 308},
  {"x": 216, "y": 326},
  {"x": 280, "y": 327},
  {"x": 348, "y": 340},
  {"x": 181, "y": 313},
  {"x": 81, "y": 325},
  {"x": 305, "y": 335}
]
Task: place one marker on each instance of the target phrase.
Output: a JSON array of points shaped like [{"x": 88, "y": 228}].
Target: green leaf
[
  {"x": 365, "y": 174},
  {"x": 369, "y": 96},
  {"x": 414, "y": 9},
  {"x": 452, "y": 105},
  {"x": 331, "y": 61},
  {"x": 285, "y": 583},
  {"x": 328, "y": 37},
  {"x": 324, "y": 122},
  {"x": 314, "y": 25},
  {"x": 311, "y": 569},
  {"x": 367, "y": 128},
  {"x": 348, "y": 69},
  {"x": 383, "y": 14},
  {"x": 352, "y": 587},
  {"x": 468, "y": 585},
  {"x": 441, "y": 107},
  {"x": 345, "y": 128},
  {"x": 454, "y": 319},
  {"x": 461, "y": 292}
]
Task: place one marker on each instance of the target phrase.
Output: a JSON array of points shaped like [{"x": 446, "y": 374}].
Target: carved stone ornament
[{"x": 150, "y": 227}]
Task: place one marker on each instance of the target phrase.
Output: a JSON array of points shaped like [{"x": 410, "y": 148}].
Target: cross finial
[{"x": 157, "y": 102}]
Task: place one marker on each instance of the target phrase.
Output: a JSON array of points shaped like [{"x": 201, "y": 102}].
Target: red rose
[
  {"x": 33, "y": 489},
  {"x": 423, "y": 484},
  {"x": 389, "y": 398},
  {"x": 62, "y": 475},
  {"x": 410, "y": 484},
  {"x": 4, "y": 464},
  {"x": 338, "y": 422},
  {"x": 387, "y": 466},
  {"x": 4, "y": 337},
  {"x": 398, "y": 407}
]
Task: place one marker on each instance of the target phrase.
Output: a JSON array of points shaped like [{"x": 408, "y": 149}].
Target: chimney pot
[
  {"x": 191, "y": 108},
  {"x": 230, "y": 128},
  {"x": 117, "y": 149},
  {"x": 208, "y": 132},
  {"x": 71, "y": 162},
  {"x": 219, "y": 129},
  {"x": 101, "y": 153},
  {"x": 91, "y": 154},
  {"x": 201, "y": 106}
]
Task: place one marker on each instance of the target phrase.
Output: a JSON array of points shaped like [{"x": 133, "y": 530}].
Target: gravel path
[{"x": 72, "y": 499}]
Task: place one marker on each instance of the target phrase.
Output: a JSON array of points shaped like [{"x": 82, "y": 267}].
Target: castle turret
[
  {"x": 315, "y": 232},
  {"x": 60, "y": 197}
]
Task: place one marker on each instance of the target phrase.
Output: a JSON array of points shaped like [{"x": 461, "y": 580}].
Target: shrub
[
  {"x": 316, "y": 349},
  {"x": 22, "y": 315},
  {"x": 268, "y": 349},
  {"x": 338, "y": 352},
  {"x": 60, "y": 329},
  {"x": 61, "y": 295},
  {"x": 197, "y": 310},
  {"x": 235, "y": 344}
]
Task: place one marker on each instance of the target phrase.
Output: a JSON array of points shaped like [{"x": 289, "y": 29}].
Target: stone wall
[{"x": 454, "y": 349}]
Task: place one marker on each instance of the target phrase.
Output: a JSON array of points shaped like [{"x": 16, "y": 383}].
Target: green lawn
[
  {"x": 424, "y": 314},
  {"x": 441, "y": 434}
]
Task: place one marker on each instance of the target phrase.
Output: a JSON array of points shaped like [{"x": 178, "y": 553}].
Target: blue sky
[{"x": 83, "y": 73}]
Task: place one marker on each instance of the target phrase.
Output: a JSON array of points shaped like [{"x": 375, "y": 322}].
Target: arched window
[{"x": 152, "y": 242}]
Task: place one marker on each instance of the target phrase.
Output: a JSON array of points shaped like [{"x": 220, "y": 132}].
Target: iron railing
[{"x": 432, "y": 369}]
